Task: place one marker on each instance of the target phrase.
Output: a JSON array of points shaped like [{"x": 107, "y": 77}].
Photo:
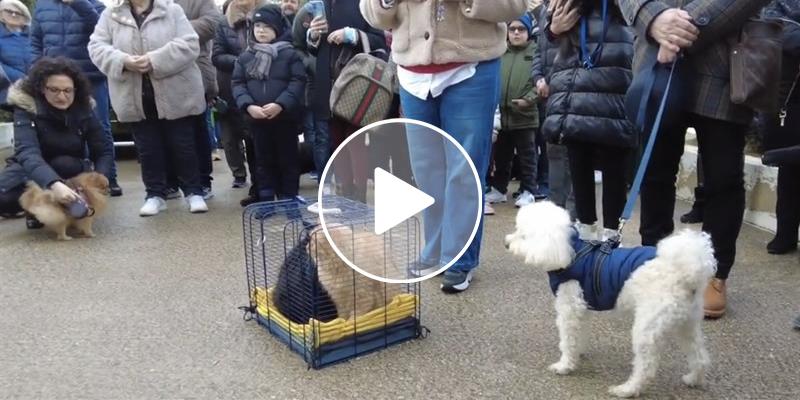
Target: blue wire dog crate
[{"x": 285, "y": 264}]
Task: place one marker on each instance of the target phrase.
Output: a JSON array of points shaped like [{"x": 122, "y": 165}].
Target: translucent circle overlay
[{"x": 422, "y": 156}]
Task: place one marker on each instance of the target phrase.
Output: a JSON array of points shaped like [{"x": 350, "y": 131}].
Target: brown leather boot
[{"x": 715, "y": 299}]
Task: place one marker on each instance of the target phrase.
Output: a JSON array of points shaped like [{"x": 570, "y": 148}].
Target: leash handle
[{"x": 637, "y": 182}]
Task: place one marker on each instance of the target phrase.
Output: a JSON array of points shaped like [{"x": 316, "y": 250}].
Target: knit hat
[
  {"x": 18, "y": 6},
  {"x": 270, "y": 15},
  {"x": 526, "y": 21}
]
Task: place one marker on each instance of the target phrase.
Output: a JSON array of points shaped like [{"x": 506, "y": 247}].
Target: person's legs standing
[
  {"x": 524, "y": 142},
  {"x": 426, "y": 153},
  {"x": 322, "y": 145},
  {"x": 581, "y": 168},
  {"x": 503, "y": 154},
  {"x": 722, "y": 146},
  {"x": 467, "y": 113},
  {"x": 787, "y": 210},
  {"x": 180, "y": 136},
  {"x": 203, "y": 150},
  {"x": 102, "y": 110},
  {"x": 288, "y": 177},
  {"x": 613, "y": 164},
  {"x": 233, "y": 142},
  {"x": 149, "y": 139},
  {"x": 658, "y": 186},
  {"x": 543, "y": 158},
  {"x": 559, "y": 177}
]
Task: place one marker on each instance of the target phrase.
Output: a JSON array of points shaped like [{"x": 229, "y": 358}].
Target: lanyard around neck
[{"x": 588, "y": 59}]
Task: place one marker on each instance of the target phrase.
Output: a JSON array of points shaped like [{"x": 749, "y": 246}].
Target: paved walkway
[{"x": 147, "y": 310}]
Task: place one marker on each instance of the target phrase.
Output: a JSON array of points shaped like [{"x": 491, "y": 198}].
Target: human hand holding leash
[{"x": 674, "y": 30}]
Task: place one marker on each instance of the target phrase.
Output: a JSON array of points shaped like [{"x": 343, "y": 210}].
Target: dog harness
[{"x": 601, "y": 270}]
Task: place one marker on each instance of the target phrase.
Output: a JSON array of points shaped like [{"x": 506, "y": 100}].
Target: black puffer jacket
[
  {"x": 546, "y": 51},
  {"x": 789, "y": 11},
  {"x": 42, "y": 133},
  {"x": 285, "y": 86},
  {"x": 588, "y": 105}
]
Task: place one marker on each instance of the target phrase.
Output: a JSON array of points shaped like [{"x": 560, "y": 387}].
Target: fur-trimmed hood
[
  {"x": 234, "y": 15},
  {"x": 17, "y": 97}
]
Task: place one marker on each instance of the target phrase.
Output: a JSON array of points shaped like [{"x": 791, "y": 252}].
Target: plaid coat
[{"x": 719, "y": 22}]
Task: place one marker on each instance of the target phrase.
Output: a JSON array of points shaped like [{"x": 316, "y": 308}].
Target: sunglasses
[
  {"x": 14, "y": 13},
  {"x": 519, "y": 29}
]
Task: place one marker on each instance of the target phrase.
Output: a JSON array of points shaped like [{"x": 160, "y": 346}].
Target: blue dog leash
[
  {"x": 637, "y": 182},
  {"x": 588, "y": 59}
]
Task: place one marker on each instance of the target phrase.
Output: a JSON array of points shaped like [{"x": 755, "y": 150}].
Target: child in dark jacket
[{"x": 268, "y": 84}]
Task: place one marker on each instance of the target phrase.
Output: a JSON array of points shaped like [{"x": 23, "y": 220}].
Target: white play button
[{"x": 396, "y": 201}]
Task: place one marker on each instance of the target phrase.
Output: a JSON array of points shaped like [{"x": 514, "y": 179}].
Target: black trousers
[
  {"x": 202, "y": 146},
  {"x": 278, "y": 158},
  {"x": 161, "y": 143},
  {"x": 787, "y": 208},
  {"x": 584, "y": 159},
  {"x": 65, "y": 166},
  {"x": 523, "y": 140},
  {"x": 542, "y": 163},
  {"x": 721, "y": 144}
]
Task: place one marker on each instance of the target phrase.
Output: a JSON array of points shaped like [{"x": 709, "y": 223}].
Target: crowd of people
[{"x": 531, "y": 90}]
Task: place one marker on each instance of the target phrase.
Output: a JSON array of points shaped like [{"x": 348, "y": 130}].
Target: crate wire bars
[{"x": 287, "y": 257}]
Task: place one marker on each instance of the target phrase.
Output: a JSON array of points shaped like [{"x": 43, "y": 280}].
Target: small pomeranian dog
[
  {"x": 314, "y": 282},
  {"x": 42, "y": 204},
  {"x": 662, "y": 287}
]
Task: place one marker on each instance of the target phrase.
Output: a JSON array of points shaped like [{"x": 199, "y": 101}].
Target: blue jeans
[
  {"x": 322, "y": 145},
  {"x": 103, "y": 113},
  {"x": 310, "y": 136},
  {"x": 466, "y": 112}
]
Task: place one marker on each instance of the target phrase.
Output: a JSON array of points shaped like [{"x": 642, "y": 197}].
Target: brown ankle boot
[{"x": 715, "y": 299}]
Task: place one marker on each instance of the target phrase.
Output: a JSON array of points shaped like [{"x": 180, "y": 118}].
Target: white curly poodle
[{"x": 661, "y": 286}]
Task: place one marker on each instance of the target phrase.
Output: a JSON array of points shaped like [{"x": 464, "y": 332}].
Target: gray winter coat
[
  {"x": 168, "y": 38},
  {"x": 204, "y": 18}
]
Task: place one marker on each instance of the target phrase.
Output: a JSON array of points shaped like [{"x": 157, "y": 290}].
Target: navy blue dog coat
[{"x": 601, "y": 270}]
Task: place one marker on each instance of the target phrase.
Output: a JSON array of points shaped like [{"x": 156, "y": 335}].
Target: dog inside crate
[{"x": 314, "y": 282}]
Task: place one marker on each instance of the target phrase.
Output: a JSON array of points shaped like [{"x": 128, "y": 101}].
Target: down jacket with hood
[
  {"x": 588, "y": 105},
  {"x": 168, "y": 38},
  {"x": 42, "y": 133},
  {"x": 63, "y": 29}
]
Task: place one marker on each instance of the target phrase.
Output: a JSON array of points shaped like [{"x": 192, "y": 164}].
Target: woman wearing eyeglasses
[
  {"x": 15, "y": 48},
  {"x": 53, "y": 126}
]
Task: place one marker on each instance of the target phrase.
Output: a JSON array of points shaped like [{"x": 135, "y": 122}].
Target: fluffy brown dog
[
  {"x": 353, "y": 293},
  {"x": 44, "y": 206}
]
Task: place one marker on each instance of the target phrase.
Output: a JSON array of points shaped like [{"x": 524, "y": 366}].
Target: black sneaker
[
  {"x": 239, "y": 183},
  {"x": 456, "y": 281},
  {"x": 248, "y": 200},
  {"x": 695, "y": 216},
  {"x": 32, "y": 223},
  {"x": 113, "y": 189}
]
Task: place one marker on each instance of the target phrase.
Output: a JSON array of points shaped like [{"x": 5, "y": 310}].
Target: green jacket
[{"x": 516, "y": 83}]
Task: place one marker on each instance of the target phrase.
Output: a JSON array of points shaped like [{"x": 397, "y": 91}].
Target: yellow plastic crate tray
[{"x": 402, "y": 306}]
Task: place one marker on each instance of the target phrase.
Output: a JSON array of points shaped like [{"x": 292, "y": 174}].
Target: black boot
[
  {"x": 695, "y": 216},
  {"x": 32, "y": 223}
]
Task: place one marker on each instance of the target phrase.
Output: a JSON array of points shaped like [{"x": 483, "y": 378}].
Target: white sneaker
[
  {"x": 609, "y": 233},
  {"x": 587, "y": 232},
  {"x": 494, "y": 196},
  {"x": 487, "y": 208},
  {"x": 152, "y": 206},
  {"x": 197, "y": 204},
  {"x": 207, "y": 193},
  {"x": 524, "y": 199},
  {"x": 598, "y": 177}
]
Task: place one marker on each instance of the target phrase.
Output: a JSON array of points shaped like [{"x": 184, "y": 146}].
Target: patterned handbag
[{"x": 364, "y": 89}]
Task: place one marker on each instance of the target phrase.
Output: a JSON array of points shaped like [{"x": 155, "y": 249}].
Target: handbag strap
[
  {"x": 648, "y": 151},
  {"x": 364, "y": 41},
  {"x": 791, "y": 92}
]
